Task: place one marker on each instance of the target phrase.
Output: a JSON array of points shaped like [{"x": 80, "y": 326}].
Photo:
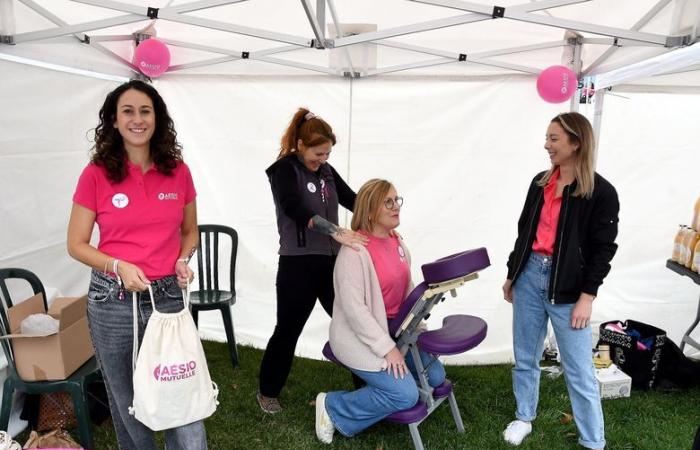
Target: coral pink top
[
  {"x": 549, "y": 218},
  {"x": 392, "y": 269}
]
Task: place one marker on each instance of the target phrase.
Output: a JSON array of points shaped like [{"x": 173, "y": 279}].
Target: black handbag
[{"x": 641, "y": 365}]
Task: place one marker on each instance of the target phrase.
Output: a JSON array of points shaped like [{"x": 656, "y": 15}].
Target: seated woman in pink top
[{"x": 370, "y": 285}]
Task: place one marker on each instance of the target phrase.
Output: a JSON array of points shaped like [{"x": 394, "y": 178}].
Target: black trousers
[{"x": 300, "y": 281}]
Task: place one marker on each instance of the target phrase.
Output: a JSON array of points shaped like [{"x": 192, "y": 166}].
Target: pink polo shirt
[
  {"x": 549, "y": 218},
  {"x": 392, "y": 271},
  {"x": 140, "y": 217}
]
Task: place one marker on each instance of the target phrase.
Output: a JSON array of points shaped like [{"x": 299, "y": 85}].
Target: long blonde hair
[
  {"x": 369, "y": 200},
  {"x": 579, "y": 131}
]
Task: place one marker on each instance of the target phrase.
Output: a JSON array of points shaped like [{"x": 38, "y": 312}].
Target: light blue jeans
[
  {"x": 354, "y": 411},
  {"x": 111, "y": 322},
  {"x": 531, "y": 308}
]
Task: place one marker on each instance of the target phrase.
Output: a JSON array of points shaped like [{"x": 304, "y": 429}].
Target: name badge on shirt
[{"x": 120, "y": 200}]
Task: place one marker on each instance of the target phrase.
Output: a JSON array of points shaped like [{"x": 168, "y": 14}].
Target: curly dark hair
[{"x": 109, "y": 146}]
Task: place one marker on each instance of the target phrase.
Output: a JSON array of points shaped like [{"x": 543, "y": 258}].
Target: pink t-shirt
[
  {"x": 549, "y": 218},
  {"x": 392, "y": 271},
  {"x": 140, "y": 217}
]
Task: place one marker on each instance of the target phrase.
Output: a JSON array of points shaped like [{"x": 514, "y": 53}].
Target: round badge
[
  {"x": 311, "y": 187},
  {"x": 120, "y": 200},
  {"x": 401, "y": 252}
]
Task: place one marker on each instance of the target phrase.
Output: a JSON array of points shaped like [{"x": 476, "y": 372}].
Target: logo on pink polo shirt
[
  {"x": 167, "y": 196},
  {"x": 174, "y": 372},
  {"x": 120, "y": 200}
]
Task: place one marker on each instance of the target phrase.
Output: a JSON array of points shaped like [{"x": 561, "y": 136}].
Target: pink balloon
[
  {"x": 556, "y": 84},
  {"x": 152, "y": 57}
]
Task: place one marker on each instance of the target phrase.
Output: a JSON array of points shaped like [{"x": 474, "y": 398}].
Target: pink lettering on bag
[{"x": 175, "y": 372}]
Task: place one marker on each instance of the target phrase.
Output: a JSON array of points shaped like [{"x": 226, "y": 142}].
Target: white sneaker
[
  {"x": 324, "y": 424},
  {"x": 516, "y": 431}
]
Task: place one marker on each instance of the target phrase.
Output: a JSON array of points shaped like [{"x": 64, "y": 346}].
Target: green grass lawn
[{"x": 647, "y": 420}]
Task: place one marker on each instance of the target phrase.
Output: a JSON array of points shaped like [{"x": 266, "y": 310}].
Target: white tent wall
[{"x": 460, "y": 151}]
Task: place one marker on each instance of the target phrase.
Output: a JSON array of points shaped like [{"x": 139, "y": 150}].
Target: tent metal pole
[
  {"x": 82, "y": 36},
  {"x": 7, "y": 19},
  {"x": 205, "y": 48},
  {"x": 617, "y": 42},
  {"x": 336, "y": 22},
  {"x": 577, "y": 64},
  {"x": 208, "y": 62},
  {"x": 416, "y": 65},
  {"x": 498, "y": 52},
  {"x": 77, "y": 28},
  {"x": 236, "y": 29},
  {"x": 349, "y": 145},
  {"x": 298, "y": 65},
  {"x": 456, "y": 57},
  {"x": 173, "y": 14},
  {"x": 514, "y": 14},
  {"x": 199, "y": 5},
  {"x": 320, "y": 40},
  {"x": 653, "y": 12},
  {"x": 321, "y": 15},
  {"x": 599, "y": 98},
  {"x": 444, "y": 23}
]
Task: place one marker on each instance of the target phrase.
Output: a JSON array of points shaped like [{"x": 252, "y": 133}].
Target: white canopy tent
[{"x": 448, "y": 112}]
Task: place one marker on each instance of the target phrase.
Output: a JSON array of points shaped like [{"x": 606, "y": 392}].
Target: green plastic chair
[{"x": 76, "y": 385}]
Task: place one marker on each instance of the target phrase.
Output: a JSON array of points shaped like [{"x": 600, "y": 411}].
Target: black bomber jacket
[{"x": 585, "y": 240}]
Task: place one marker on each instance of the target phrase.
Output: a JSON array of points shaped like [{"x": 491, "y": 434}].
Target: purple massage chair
[{"x": 458, "y": 334}]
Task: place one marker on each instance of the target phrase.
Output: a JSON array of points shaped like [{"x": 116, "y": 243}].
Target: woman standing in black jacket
[
  {"x": 307, "y": 191},
  {"x": 566, "y": 240}
]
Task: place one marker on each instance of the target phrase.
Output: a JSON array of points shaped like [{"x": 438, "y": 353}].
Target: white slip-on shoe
[
  {"x": 324, "y": 424},
  {"x": 516, "y": 431}
]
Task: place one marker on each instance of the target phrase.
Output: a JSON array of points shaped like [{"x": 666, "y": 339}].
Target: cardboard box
[
  {"x": 56, "y": 356},
  {"x": 613, "y": 382}
]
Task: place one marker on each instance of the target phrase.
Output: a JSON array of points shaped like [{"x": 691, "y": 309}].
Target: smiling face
[
  {"x": 314, "y": 157},
  {"x": 561, "y": 150},
  {"x": 135, "y": 119},
  {"x": 387, "y": 219}
]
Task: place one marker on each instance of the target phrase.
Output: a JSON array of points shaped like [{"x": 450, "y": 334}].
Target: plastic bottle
[
  {"x": 696, "y": 216},
  {"x": 696, "y": 258},
  {"x": 690, "y": 241},
  {"x": 677, "y": 242}
]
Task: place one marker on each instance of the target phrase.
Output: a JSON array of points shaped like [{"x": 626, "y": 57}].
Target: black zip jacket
[
  {"x": 585, "y": 240},
  {"x": 300, "y": 194}
]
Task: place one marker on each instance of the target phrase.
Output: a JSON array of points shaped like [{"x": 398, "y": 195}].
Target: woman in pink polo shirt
[
  {"x": 566, "y": 240},
  {"x": 370, "y": 285},
  {"x": 140, "y": 194}
]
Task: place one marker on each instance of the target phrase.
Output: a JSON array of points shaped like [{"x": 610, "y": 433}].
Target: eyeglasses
[{"x": 390, "y": 203}]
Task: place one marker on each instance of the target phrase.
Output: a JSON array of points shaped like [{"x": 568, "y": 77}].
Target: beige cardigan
[{"x": 359, "y": 333}]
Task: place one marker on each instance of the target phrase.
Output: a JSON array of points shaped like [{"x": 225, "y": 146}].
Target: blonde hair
[
  {"x": 579, "y": 131},
  {"x": 369, "y": 200},
  {"x": 311, "y": 129}
]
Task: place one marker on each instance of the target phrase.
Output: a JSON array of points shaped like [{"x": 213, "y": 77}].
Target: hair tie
[{"x": 309, "y": 115}]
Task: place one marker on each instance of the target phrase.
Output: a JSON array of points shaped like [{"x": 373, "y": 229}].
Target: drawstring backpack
[{"x": 172, "y": 386}]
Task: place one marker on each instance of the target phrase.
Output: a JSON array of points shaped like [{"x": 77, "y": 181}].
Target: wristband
[{"x": 115, "y": 269}]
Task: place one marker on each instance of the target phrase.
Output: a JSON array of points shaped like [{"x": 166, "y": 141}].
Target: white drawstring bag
[{"x": 172, "y": 386}]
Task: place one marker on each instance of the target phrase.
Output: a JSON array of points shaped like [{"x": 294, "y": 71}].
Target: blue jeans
[
  {"x": 531, "y": 308},
  {"x": 111, "y": 328},
  {"x": 354, "y": 411}
]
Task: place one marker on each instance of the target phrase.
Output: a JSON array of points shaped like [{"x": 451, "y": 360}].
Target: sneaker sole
[{"x": 320, "y": 407}]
